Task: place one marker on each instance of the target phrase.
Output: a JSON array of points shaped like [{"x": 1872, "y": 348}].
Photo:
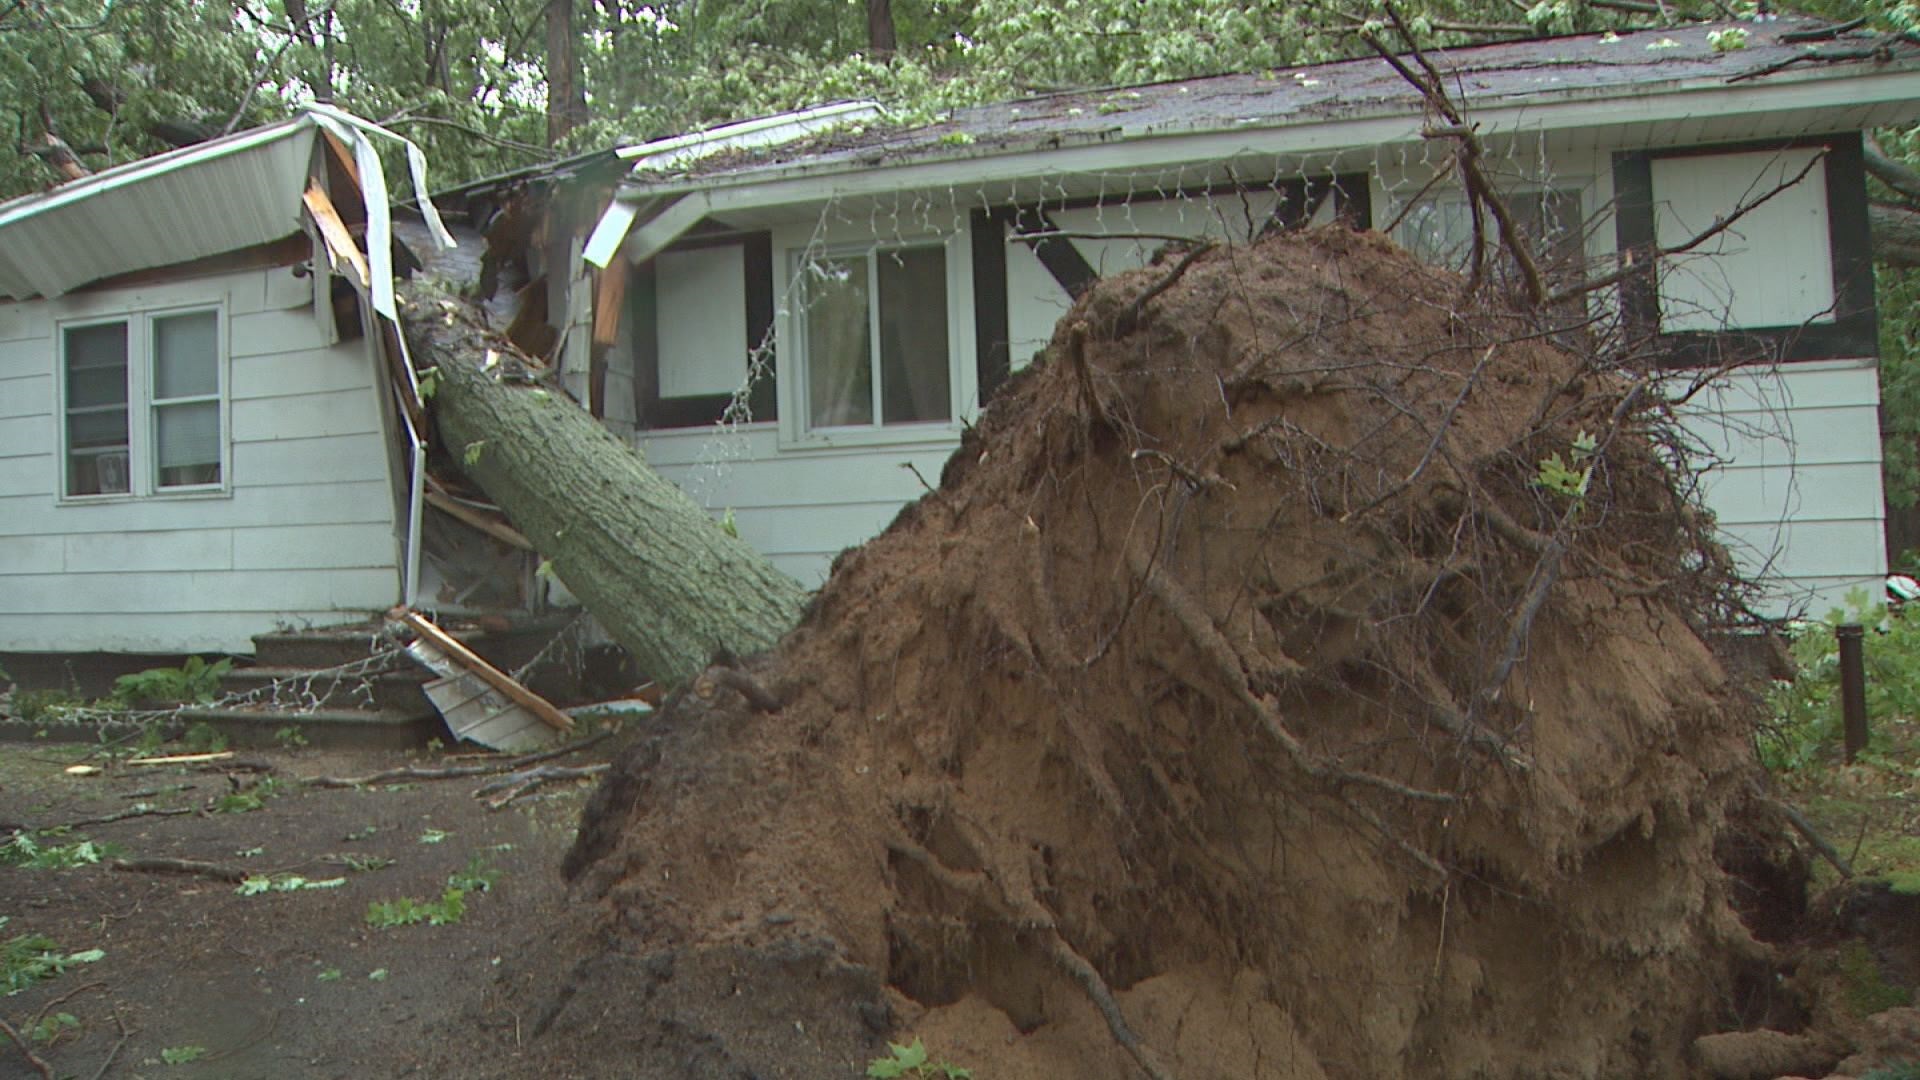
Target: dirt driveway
[{"x": 285, "y": 973}]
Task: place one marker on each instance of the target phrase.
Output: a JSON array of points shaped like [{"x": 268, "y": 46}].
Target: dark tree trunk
[
  {"x": 566, "y": 90},
  {"x": 664, "y": 579},
  {"x": 881, "y": 41}
]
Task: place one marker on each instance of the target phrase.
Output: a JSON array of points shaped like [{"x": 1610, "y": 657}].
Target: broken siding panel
[
  {"x": 316, "y": 415},
  {"x": 350, "y": 592}
]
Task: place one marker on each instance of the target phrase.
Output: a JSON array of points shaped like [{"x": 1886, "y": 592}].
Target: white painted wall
[
  {"x": 799, "y": 508},
  {"x": 1797, "y": 486},
  {"x": 305, "y": 533}
]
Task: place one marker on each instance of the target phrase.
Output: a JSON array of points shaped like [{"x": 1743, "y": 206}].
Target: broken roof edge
[
  {"x": 935, "y": 145},
  {"x": 131, "y": 172}
]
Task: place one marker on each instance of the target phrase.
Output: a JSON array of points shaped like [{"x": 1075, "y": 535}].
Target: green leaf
[
  {"x": 181, "y": 1055},
  {"x": 911, "y": 1056}
]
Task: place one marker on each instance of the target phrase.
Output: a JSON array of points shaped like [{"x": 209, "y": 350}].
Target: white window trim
[
  {"x": 142, "y": 453},
  {"x": 796, "y": 432}
]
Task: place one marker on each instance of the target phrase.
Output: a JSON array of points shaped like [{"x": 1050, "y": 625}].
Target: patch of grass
[
  {"x": 193, "y": 682},
  {"x": 912, "y": 1061},
  {"x": 204, "y": 738},
  {"x": 1867, "y": 991},
  {"x": 29, "y": 854},
  {"x": 476, "y": 877},
  {"x": 290, "y": 737},
  {"x": 26, "y": 959},
  {"x": 406, "y": 911},
  {"x": 49, "y": 1029},
  {"x": 182, "y": 1055}
]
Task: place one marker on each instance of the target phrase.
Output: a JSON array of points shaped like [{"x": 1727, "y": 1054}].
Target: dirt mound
[{"x": 1249, "y": 701}]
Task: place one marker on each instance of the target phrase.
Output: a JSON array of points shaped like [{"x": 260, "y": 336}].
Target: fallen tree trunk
[{"x": 660, "y": 574}]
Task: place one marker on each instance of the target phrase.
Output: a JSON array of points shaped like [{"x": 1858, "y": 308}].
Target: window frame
[
  {"x": 143, "y": 452},
  {"x": 797, "y": 430},
  {"x": 653, "y": 412},
  {"x": 1853, "y": 333}
]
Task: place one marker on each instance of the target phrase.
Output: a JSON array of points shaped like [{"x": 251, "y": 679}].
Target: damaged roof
[
  {"x": 222, "y": 195},
  {"x": 1507, "y": 74}
]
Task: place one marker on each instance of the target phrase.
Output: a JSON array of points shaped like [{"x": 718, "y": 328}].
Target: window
[
  {"x": 1791, "y": 279},
  {"x": 873, "y": 330},
  {"x": 702, "y": 318},
  {"x": 1440, "y": 233},
  {"x": 142, "y": 401}
]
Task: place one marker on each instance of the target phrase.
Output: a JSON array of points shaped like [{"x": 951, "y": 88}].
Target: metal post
[{"x": 1853, "y": 687}]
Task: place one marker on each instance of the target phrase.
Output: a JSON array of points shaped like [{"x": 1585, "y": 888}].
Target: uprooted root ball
[{"x": 1297, "y": 674}]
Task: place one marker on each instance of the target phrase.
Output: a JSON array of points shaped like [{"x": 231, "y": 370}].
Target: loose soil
[
  {"x": 1241, "y": 705},
  {"x": 282, "y": 984}
]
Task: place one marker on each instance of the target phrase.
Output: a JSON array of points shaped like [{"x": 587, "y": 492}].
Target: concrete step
[
  {"x": 338, "y": 729},
  {"x": 324, "y": 648},
  {"x": 397, "y": 690}
]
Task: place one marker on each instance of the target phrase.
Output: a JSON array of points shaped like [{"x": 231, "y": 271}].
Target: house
[
  {"x": 207, "y": 427},
  {"x": 797, "y": 333}
]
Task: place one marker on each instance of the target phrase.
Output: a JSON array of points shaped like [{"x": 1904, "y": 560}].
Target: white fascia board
[
  {"x": 667, "y": 226},
  {"x": 803, "y": 182},
  {"x": 137, "y": 171},
  {"x": 759, "y": 132}
]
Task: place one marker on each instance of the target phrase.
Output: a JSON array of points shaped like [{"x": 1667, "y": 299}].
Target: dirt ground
[{"x": 281, "y": 983}]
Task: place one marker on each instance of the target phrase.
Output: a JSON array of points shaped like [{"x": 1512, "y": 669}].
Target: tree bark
[
  {"x": 566, "y": 90},
  {"x": 664, "y": 579},
  {"x": 1896, "y": 235},
  {"x": 881, "y": 40}
]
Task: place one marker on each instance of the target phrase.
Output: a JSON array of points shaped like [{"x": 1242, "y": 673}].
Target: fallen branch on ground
[
  {"x": 454, "y": 772},
  {"x": 523, "y": 782},
  {"x": 1805, "y": 828},
  {"x": 190, "y": 867},
  {"x": 27, "y": 1051}
]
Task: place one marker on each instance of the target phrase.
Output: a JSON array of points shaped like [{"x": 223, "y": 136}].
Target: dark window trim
[
  {"x": 1853, "y": 333},
  {"x": 992, "y": 231},
  {"x": 654, "y": 412}
]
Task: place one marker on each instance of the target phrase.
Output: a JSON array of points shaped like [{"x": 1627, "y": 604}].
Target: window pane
[
  {"x": 97, "y": 365},
  {"x": 96, "y": 421},
  {"x": 96, "y": 428},
  {"x": 915, "y": 382},
  {"x": 839, "y": 357},
  {"x": 185, "y": 355},
  {"x": 187, "y": 444}
]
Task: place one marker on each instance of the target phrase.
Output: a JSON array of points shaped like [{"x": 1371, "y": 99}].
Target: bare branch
[{"x": 1633, "y": 263}]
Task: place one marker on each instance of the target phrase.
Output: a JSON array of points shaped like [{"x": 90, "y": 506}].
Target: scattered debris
[{"x": 480, "y": 702}]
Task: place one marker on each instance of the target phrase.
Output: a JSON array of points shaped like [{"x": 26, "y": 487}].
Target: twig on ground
[
  {"x": 108, "y": 819},
  {"x": 523, "y": 782},
  {"x": 190, "y": 867},
  {"x": 412, "y": 772},
  {"x": 115, "y": 1052},
  {"x": 75, "y": 992},
  {"x": 27, "y": 1051}
]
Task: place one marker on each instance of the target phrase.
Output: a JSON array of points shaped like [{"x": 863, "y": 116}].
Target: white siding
[
  {"x": 1797, "y": 482},
  {"x": 306, "y": 535},
  {"x": 798, "y": 507}
]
